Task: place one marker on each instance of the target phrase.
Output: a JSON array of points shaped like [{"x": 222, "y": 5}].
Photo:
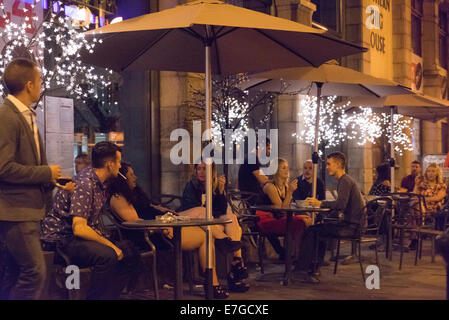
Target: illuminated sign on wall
[
  {"x": 81, "y": 15},
  {"x": 378, "y": 34},
  {"x": 13, "y": 11}
]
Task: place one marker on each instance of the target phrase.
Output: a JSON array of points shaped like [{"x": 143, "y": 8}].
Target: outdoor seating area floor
[{"x": 426, "y": 281}]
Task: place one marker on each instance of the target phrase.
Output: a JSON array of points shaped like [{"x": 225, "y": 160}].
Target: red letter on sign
[
  {"x": 20, "y": 13},
  {"x": 2, "y": 19}
]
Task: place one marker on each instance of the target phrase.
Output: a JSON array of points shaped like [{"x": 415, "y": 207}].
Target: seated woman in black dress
[
  {"x": 131, "y": 203},
  {"x": 382, "y": 184},
  {"x": 194, "y": 197}
]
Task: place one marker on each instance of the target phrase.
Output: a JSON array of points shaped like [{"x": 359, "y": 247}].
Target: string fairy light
[
  {"x": 55, "y": 46},
  {"x": 361, "y": 125}
]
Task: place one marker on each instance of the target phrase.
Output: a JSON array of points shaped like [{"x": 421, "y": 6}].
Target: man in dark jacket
[
  {"x": 304, "y": 189},
  {"x": 24, "y": 174}
]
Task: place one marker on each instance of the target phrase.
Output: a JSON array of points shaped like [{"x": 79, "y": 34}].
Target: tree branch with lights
[
  {"x": 55, "y": 45},
  {"x": 361, "y": 125},
  {"x": 231, "y": 108}
]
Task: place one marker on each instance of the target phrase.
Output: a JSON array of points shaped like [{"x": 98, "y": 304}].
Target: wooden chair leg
[{"x": 336, "y": 257}]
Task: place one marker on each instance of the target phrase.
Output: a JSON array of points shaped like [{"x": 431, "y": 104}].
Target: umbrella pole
[
  {"x": 392, "y": 160},
  {"x": 209, "y": 253},
  {"x": 315, "y": 156}
]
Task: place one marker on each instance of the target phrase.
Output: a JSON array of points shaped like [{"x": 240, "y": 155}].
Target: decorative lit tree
[
  {"x": 362, "y": 125},
  {"x": 402, "y": 131},
  {"x": 337, "y": 126},
  {"x": 55, "y": 45},
  {"x": 231, "y": 109}
]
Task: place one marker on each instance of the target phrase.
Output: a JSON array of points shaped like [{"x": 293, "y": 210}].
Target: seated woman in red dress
[{"x": 278, "y": 191}]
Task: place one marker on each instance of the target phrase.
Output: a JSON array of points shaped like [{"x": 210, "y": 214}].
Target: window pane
[
  {"x": 443, "y": 52},
  {"x": 327, "y": 13},
  {"x": 416, "y": 35},
  {"x": 442, "y": 20},
  {"x": 417, "y": 5},
  {"x": 444, "y": 138}
]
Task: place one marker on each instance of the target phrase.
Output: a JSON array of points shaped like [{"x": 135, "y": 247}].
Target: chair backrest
[
  {"x": 408, "y": 206},
  {"x": 241, "y": 202},
  {"x": 375, "y": 211},
  {"x": 171, "y": 201},
  {"x": 109, "y": 218}
]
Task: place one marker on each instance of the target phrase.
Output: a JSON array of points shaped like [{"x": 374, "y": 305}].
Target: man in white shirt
[{"x": 25, "y": 179}]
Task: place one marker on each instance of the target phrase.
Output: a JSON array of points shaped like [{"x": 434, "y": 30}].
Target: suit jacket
[{"x": 24, "y": 180}]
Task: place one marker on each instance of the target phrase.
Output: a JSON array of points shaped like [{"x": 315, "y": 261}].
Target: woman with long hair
[
  {"x": 432, "y": 187},
  {"x": 278, "y": 192},
  {"x": 194, "y": 197},
  {"x": 131, "y": 203},
  {"x": 382, "y": 185}
]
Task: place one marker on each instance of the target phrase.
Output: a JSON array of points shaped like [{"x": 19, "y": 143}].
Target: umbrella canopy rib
[
  {"x": 219, "y": 30},
  {"x": 369, "y": 90},
  {"x": 285, "y": 47},
  {"x": 146, "y": 48},
  {"x": 194, "y": 34},
  {"x": 226, "y": 32},
  {"x": 323, "y": 35}
]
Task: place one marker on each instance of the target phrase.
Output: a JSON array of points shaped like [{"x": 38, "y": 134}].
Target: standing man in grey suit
[{"x": 24, "y": 180}]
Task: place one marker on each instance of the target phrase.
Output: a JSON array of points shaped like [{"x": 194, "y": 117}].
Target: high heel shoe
[
  {"x": 219, "y": 292},
  {"x": 238, "y": 270}
]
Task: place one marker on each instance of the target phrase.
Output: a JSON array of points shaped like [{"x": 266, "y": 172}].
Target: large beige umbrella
[
  {"x": 412, "y": 105},
  {"x": 240, "y": 40},
  {"x": 325, "y": 80},
  {"x": 212, "y": 37}
]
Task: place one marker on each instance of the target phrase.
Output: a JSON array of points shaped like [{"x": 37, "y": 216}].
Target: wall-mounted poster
[
  {"x": 56, "y": 125},
  {"x": 417, "y": 73}
]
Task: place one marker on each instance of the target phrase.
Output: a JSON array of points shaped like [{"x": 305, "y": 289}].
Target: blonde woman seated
[
  {"x": 131, "y": 203},
  {"x": 278, "y": 191},
  {"x": 432, "y": 187},
  {"x": 193, "y": 197}
]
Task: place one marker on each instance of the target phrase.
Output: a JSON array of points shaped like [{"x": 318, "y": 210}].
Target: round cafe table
[
  {"x": 290, "y": 210},
  {"x": 177, "y": 226}
]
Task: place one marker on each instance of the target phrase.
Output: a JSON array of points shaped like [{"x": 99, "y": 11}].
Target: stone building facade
[{"x": 407, "y": 33}]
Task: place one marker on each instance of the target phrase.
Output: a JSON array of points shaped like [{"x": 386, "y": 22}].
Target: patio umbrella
[
  {"x": 412, "y": 105},
  {"x": 325, "y": 80},
  {"x": 210, "y": 36}
]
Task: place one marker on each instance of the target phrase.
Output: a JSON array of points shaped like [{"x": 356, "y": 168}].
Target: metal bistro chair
[
  {"x": 429, "y": 227},
  {"x": 372, "y": 216},
  {"x": 407, "y": 215},
  {"x": 240, "y": 203},
  {"x": 117, "y": 222}
]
